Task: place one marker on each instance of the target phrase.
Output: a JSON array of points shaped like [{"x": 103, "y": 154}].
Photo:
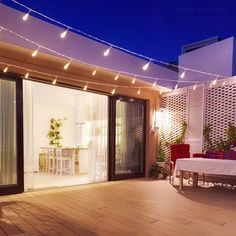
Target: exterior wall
[{"x": 216, "y": 58}]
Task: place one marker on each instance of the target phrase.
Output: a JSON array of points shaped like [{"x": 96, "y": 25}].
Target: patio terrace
[{"x": 130, "y": 207}]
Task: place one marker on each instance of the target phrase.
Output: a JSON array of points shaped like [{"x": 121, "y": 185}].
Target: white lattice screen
[
  {"x": 220, "y": 109},
  {"x": 173, "y": 114}
]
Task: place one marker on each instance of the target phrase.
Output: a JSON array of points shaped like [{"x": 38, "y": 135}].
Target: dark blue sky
[{"x": 154, "y": 28}]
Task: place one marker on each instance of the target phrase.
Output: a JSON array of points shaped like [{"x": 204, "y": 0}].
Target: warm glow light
[
  {"x": 54, "y": 81},
  {"x": 211, "y": 85},
  {"x": 106, "y": 53},
  {"x": 113, "y": 90},
  {"x": 63, "y": 34},
  {"x": 139, "y": 91},
  {"x": 35, "y": 52},
  {"x": 182, "y": 74},
  {"x": 214, "y": 82},
  {"x": 85, "y": 87},
  {"x": 5, "y": 69},
  {"x": 133, "y": 81},
  {"x": 224, "y": 83},
  {"x": 116, "y": 77},
  {"x": 27, "y": 75},
  {"x": 66, "y": 66},
  {"x": 154, "y": 84},
  {"x": 176, "y": 86},
  {"x": 161, "y": 92},
  {"x": 194, "y": 87},
  {"x": 94, "y": 72},
  {"x": 26, "y": 16},
  {"x": 145, "y": 67}
]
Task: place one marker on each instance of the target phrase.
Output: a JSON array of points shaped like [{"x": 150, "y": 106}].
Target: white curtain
[
  {"x": 7, "y": 133},
  {"x": 98, "y": 166}
]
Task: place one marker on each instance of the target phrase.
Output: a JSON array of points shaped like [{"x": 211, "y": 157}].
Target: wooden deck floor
[{"x": 132, "y": 207}]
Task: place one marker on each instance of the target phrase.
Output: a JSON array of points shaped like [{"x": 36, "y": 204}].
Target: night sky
[{"x": 156, "y": 29}]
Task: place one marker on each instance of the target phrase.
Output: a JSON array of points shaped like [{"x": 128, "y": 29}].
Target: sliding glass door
[
  {"x": 128, "y": 134},
  {"x": 11, "y": 165}
]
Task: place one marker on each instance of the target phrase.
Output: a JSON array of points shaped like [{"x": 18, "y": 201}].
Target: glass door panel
[
  {"x": 129, "y": 138},
  {"x": 9, "y": 163}
]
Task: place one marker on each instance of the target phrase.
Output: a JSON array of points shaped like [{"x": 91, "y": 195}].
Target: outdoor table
[{"x": 204, "y": 166}]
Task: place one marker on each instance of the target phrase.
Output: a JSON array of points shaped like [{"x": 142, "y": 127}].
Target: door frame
[
  {"x": 19, "y": 186},
  {"x": 112, "y": 138}
]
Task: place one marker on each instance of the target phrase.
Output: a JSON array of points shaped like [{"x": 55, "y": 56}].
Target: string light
[
  {"x": 113, "y": 90},
  {"x": 26, "y": 16},
  {"x": 54, "y": 81},
  {"x": 108, "y": 69},
  {"x": 133, "y": 80},
  {"x": 85, "y": 87},
  {"x": 176, "y": 86},
  {"x": 107, "y": 51},
  {"x": 27, "y": 75},
  {"x": 34, "y": 54},
  {"x": 139, "y": 91},
  {"x": 145, "y": 67},
  {"x": 94, "y": 72},
  {"x": 195, "y": 86},
  {"x": 66, "y": 66},
  {"x": 64, "y": 33},
  {"x": 154, "y": 84},
  {"x": 183, "y": 74},
  {"x": 117, "y": 77},
  {"x": 215, "y": 81},
  {"x": 107, "y": 43},
  {"x": 5, "y": 69}
]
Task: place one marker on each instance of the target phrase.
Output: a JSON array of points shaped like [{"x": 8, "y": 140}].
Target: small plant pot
[{"x": 161, "y": 164}]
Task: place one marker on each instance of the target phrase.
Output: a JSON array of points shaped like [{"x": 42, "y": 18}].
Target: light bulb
[
  {"x": 66, "y": 66},
  {"x": 194, "y": 87},
  {"x": 116, "y": 77},
  {"x": 106, "y": 53},
  {"x": 5, "y": 69},
  {"x": 94, "y": 72},
  {"x": 54, "y": 81},
  {"x": 113, "y": 90},
  {"x": 224, "y": 83},
  {"x": 85, "y": 87},
  {"x": 26, "y": 16},
  {"x": 139, "y": 91},
  {"x": 63, "y": 34},
  {"x": 176, "y": 86},
  {"x": 145, "y": 67},
  {"x": 27, "y": 75},
  {"x": 211, "y": 85},
  {"x": 133, "y": 81},
  {"x": 182, "y": 74},
  {"x": 35, "y": 52},
  {"x": 214, "y": 81},
  {"x": 154, "y": 84},
  {"x": 161, "y": 92}
]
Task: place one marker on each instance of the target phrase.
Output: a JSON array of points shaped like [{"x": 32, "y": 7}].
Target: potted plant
[
  {"x": 54, "y": 133},
  {"x": 157, "y": 172},
  {"x": 160, "y": 158}
]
